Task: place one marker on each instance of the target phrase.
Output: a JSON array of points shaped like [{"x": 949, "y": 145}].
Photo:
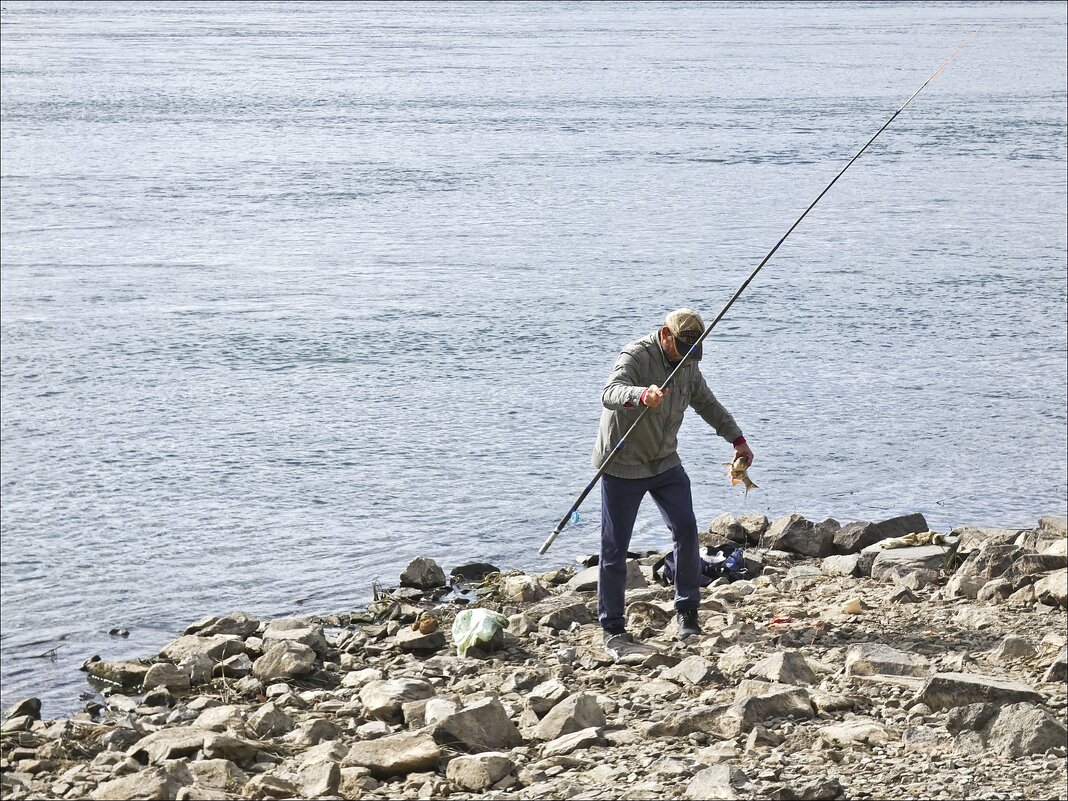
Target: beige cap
[{"x": 685, "y": 322}]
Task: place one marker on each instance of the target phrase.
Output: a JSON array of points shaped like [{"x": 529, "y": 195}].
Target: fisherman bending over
[{"x": 649, "y": 462}]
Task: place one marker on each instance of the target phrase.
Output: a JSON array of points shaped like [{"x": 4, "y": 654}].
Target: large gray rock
[
  {"x": 414, "y": 641},
  {"x": 395, "y": 755},
  {"x": 1052, "y": 589},
  {"x": 1029, "y": 568},
  {"x": 913, "y": 567},
  {"x": 948, "y": 690},
  {"x": 574, "y": 713},
  {"x": 224, "y": 746},
  {"x": 796, "y": 534},
  {"x": 1022, "y": 729},
  {"x": 695, "y": 670},
  {"x": 479, "y": 772},
  {"x": 854, "y": 537},
  {"x": 284, "y": 659},
  {"x": 174, "y": 743},
  {"x": 126, "y": 673},
  {"x": 544, "y": 696},
  {"x": 481, "y": 726},
  {"x": 757, "y": 701},
  {"x": 857, "y": 731},
  {"x": 522, "y": 589},
  {"x": 586, "y": 581},
  {"x": 152, "y": 783},
  {"x": 694, "y": 720},
  {"x": 845, "y": 565},
  {"x": 295, "y": 629},
  {"x": 719, "y": 782},
  {"x": 988, "y": 562},
  {"x": 1053, "y": 527},
  {"x": 240, "y": 623},
  {"x": 270, "y": 721},
  {"x": 216, "y": 647},
  {"x": 786, "y": 667},
  {"x": 876, "y": 659},
  {"x": 163, "y": 674},
  {"x": 1058, "y": 671},
  {"x": 217, "y": 773},
  {"x": 575, "y": 741},
  {"x": 383, "y": 700},
  {"x": 423, "y": 573}
]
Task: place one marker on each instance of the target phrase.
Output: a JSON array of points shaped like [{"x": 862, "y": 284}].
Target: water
[{"x": 293, "y": 294}]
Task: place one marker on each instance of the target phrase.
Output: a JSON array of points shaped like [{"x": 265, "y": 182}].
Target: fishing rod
[{"x": 667, "y": 382}]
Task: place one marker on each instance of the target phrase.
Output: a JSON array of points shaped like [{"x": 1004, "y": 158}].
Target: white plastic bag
[{"x": 478, "y": 627}]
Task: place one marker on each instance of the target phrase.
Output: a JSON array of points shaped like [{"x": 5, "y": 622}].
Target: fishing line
[{"x": 667, "y": 382}]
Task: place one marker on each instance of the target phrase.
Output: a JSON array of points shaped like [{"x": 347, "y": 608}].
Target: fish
[
  {"x": 739, "y": 473},
  {"x": 426, "y": 623}
]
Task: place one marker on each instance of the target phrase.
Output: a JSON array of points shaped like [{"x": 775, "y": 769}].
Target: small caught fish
[
  {"x": 739, "y": 473},
  {"x": 426, "y": 623}
]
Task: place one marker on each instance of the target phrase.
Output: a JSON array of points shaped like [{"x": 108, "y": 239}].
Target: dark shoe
[
  {"x": 622, "y": 647},
  {"x": 688, "y": 625}
]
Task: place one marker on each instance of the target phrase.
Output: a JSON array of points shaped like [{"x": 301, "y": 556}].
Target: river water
[{"x": 294, "y": 293}]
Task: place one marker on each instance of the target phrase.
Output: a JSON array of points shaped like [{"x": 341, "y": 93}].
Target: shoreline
[{"x": 842, "y": 669}]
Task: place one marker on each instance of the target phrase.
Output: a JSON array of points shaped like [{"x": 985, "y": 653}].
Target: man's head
[{"x": 681, "y": 330}]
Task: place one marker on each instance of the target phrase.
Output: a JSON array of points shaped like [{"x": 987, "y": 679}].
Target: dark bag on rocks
[{"x": 723, "y": 560}]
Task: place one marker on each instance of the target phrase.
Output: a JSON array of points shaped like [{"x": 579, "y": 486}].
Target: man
[{"x": 648, "y": 462}]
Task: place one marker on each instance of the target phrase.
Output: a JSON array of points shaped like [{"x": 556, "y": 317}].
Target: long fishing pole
[{"x": 667, "y": 382}]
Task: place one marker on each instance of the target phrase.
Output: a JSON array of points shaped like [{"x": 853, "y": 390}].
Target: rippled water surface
[{"x": 294, "y": 293}]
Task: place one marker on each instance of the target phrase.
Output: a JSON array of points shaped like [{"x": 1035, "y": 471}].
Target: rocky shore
[{"x": 870, "y": 660}]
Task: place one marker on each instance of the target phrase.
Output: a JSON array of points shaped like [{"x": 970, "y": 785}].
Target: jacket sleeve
[
  {"x": 622, "y": 390},
  {"x": 712, "y": 411}
]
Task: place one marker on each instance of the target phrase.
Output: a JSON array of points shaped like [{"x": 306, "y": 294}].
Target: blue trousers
[{"x": 620, "y": 499}]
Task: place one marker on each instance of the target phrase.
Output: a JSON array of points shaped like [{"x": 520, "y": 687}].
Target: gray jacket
[{"x": 652, "y": 448}]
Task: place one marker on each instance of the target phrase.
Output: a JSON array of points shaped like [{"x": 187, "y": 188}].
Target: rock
[
  {"x": 413, "y": 641},
  {"x": 233, "y": 667},
  {"x": 694, "y": 670},
  {"x": 869, "y": 659},
  {"x": 787, "y": 667},
  {"x": 472, "y": 571},
  {"x": 857, "y": 731},
  {"x": 757, "y": 701},
  {"x": 796, "y": 534},
  {"x": 693, "y": 720},
  {"x": 481, "y": 726},
  {"x": 725, "y": 527},
  {"x": 994, "y": 591},
  {"x": 125, "y": 673},
  {"x": 846, "y": 565},
  {"x": 1022, "y": 729},
  {"x": 586, "y": 581},
  {"x": 221, "y": 774},
  {"x": 948, "y": 690},
  {"x": 1058, "y": 671},
  {"x": 283, "y": 660},
  {"x": 479, "y": 772},
  {"x": 223, "y": 746},
  {"x": 575, "y": 741},
  {"x": 1052, "y": 589},
  {"x": 988, "y": 562},
  {"x": 166, "y": 675},
  {"x": 240, "y": 624},
  {"x": 903, "y": 595},
  {"x": 970, "y": 717},
  {"x": 153, "y": 783},
  {"x": 914, "y": 567},
  {"x": 718, "y": 782},
  {"x": 226, "y": 717},
  {"x": 312, "y": 731},
  {"x": 438, "y": 709},
  {"x": 1027, "y": 566},
  {"x": 383, "y": 700},
  {"x": 216, "y": 648},
  {"x": 1053, "y": 527},
  {"x": 267, "y": 785},
  {"x": 295, "y": 629},
  {"x": 854, "y": 537},
  {"x": 173, "y": 743},
  {"x": 269, "y": 721},
  {"x": 577, "y": 712},
  {"x": 1013, "y": 648},
  {"x": 27, "y": 707},
  {"x": 423, "y": 573},
  {"x": 522, "y": 589},
  {"x": 396, "y": 755},
  {"x": 546, "y": 695},
  {"x": 198, "y": 667},
  {"x": 320, "y": 781}
]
